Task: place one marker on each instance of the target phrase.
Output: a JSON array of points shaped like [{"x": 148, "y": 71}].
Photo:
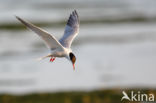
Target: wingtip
[
  {"x": 73, "y": 17},
  {"x": 27, "y": 24},
  {"x": 75, "y": 10},
  {"x": 17, "y": 17}
]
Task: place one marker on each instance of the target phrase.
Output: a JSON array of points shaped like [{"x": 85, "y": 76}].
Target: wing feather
[
  {"x": 71, "y": 30},
  {"x": 49, "y": 40}
]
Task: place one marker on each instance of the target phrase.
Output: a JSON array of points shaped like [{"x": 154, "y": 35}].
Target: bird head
[{"x": 72, "y": 59}]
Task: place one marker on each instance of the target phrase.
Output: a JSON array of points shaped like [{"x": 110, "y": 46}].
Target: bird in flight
[{"x": 59, "y": 48}]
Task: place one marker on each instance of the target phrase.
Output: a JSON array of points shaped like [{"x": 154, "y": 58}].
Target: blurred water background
[{"x": 115, "y": 48}]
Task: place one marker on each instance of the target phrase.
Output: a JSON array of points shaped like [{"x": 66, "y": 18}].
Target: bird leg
[{"x": 52, "y": 59}]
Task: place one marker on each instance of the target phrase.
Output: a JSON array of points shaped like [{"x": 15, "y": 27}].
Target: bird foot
[{"x": 52, "y": 59}]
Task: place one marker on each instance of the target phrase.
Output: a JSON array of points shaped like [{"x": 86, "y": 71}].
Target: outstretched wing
[
  {"x": 49, "y": 40},
  {"x": 71, "y": 30}
]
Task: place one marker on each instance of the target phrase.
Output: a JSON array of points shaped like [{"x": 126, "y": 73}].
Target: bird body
[
  {"x": 61, "y": 53},
  {"x": 59, "y": 48}
]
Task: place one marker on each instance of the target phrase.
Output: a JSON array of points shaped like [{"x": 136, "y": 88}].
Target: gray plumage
[
  {"x": 71, "y": 30},
  {"x": 59, "y": 48},
  {"x": 50, "y": 41}
]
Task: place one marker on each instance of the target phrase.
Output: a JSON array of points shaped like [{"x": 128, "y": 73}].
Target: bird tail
[{"x": 41, "y": 58}]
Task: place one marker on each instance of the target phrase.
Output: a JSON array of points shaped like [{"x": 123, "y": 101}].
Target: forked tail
[{"x": 41, "y": 58}]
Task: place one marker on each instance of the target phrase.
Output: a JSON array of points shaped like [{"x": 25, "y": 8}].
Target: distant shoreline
[{"x": 97, "y": 96}]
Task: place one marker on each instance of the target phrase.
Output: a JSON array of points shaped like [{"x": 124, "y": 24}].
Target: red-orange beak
[{"x": 74, "y": 66}]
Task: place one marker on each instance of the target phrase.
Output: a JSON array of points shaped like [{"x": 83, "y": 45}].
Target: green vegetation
[
  {"x": 15, "y": 26},
  {"x": 22, "y": 27},
  {"x": 99, "y": 96}
]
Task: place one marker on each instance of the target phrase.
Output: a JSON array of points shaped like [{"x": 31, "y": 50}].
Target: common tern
[{"x": 59, "y": 48}]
